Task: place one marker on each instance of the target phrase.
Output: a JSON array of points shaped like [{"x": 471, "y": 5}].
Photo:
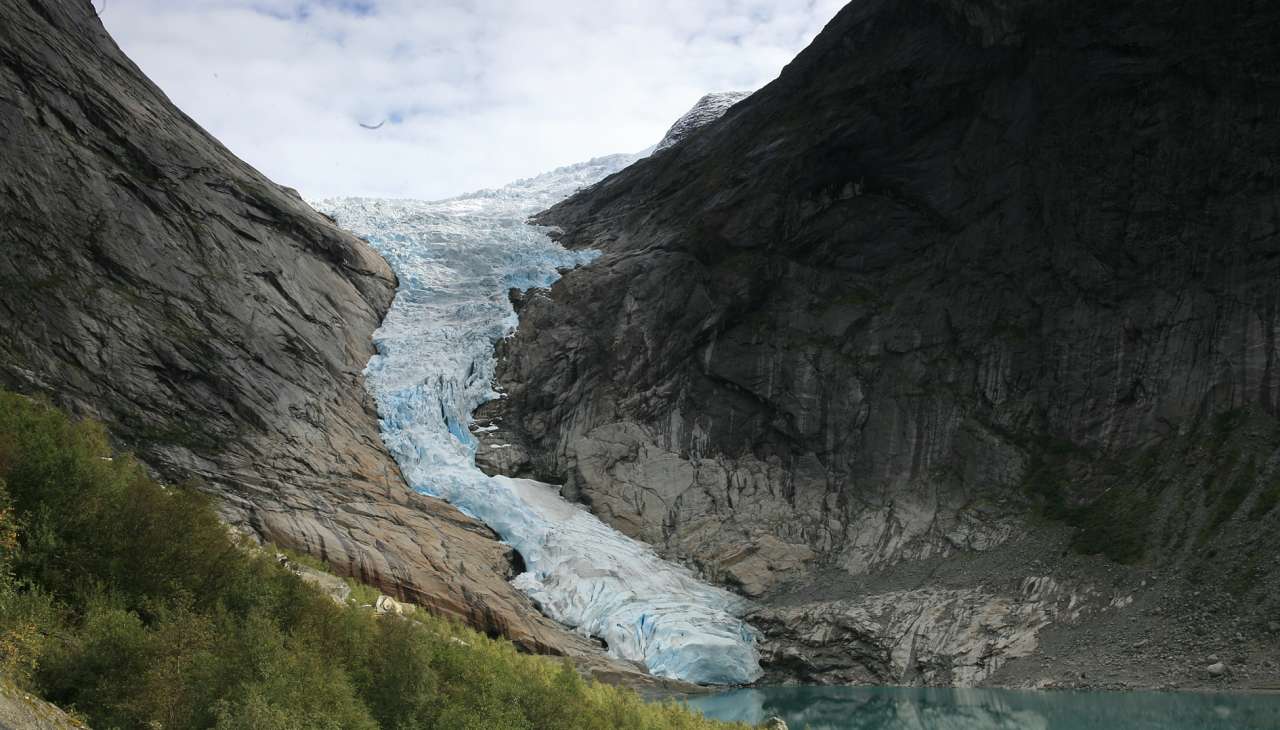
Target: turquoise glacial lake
[{"x": 892, "y": 708}]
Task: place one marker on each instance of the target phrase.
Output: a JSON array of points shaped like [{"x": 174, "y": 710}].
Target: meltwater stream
[{"x": 456, "y": 260}]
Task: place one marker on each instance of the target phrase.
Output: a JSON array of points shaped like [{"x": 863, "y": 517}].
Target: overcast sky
[{"x": 474, "y": 93}]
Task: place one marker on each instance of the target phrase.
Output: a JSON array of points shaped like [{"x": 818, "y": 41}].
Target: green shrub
[{"x": 132, "y": 604}]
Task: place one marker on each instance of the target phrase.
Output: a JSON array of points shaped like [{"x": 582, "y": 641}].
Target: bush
[{"x": 130, "y": 603}]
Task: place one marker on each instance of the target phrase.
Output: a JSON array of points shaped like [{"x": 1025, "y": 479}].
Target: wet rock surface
[
  {"x": 971, "y": 286},
  {"x": 214, "y": 321}
]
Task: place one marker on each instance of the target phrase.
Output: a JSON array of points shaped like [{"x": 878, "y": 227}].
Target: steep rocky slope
[
  {"x": 21, "y": 711},
  {"x": 218, "y": 324},
  {"x": 955, "y": 346}
]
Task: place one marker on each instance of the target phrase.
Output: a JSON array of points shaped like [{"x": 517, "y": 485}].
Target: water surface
[{"x": 893, "y": 708}]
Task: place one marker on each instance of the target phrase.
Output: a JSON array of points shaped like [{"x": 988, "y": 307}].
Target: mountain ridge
[
  {"x": 215, "y": 323},
  {"x": 968, "y": 316}
]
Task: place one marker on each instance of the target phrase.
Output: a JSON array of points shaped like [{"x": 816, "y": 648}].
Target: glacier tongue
[{"x": 456, "y": 260}]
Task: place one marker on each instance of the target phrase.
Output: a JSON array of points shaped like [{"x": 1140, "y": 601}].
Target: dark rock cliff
[
  {"x": 213, "y": 320},
  {"x": 956, "y": 345}
]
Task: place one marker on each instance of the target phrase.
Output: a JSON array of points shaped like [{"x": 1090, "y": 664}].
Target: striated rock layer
[
  {"x": 974, "y": 293},
  {"x": 214, "y": 321},
  {"x": 21, "y": 711}
]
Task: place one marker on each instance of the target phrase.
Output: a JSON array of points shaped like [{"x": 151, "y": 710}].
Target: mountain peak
[{"x": 708, "y": 109}]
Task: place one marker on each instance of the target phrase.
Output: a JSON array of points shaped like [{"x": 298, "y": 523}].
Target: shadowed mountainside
[{"x": 947, "y": 345}]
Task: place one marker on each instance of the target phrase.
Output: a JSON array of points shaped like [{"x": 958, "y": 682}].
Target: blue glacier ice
[{"x": 456, "y": 260}]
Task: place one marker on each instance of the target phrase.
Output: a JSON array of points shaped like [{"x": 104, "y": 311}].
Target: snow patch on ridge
[{"x": 708, "y": 109}]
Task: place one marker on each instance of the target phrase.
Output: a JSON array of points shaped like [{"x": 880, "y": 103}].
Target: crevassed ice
[
  {"x": 708, "y": 109},
  {"x": 456, "y": 260}
]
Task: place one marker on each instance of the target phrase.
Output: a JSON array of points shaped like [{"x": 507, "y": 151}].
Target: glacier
[{"x": 434, "y": 364}]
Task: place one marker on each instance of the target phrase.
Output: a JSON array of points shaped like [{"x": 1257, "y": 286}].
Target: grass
[
  {"x": 1238, "y": 488},
  {"x": 362, "y": 594},
  {"x": 1115, "y": 521},
  {"x": 131, "y": 605},
  {"x": 1212, "y": 473},
  {"x": 1267, "y": 500}
]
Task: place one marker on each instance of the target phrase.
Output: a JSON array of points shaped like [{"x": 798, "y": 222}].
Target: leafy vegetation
[
  {"x": 1114, "y": 522},
  {"x": 131, "y": 604},
  {"x": 1219, "y": 472},
  {"x": 362, "y": 594}
]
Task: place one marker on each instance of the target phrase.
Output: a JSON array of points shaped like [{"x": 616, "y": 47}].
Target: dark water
[{"x": 891, "y": 708}]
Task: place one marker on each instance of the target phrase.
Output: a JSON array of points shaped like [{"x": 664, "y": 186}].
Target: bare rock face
[
  {"x": 21, "y": 711},
  {"x": 925, "y": 636},
  {"x": 937, "y": 635},
  {"x": 214, "y": 321},
  {"x": 972, "y": 284}
]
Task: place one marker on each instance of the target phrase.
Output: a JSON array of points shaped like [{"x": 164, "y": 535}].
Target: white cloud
[{"x": 476, "y": 93}]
